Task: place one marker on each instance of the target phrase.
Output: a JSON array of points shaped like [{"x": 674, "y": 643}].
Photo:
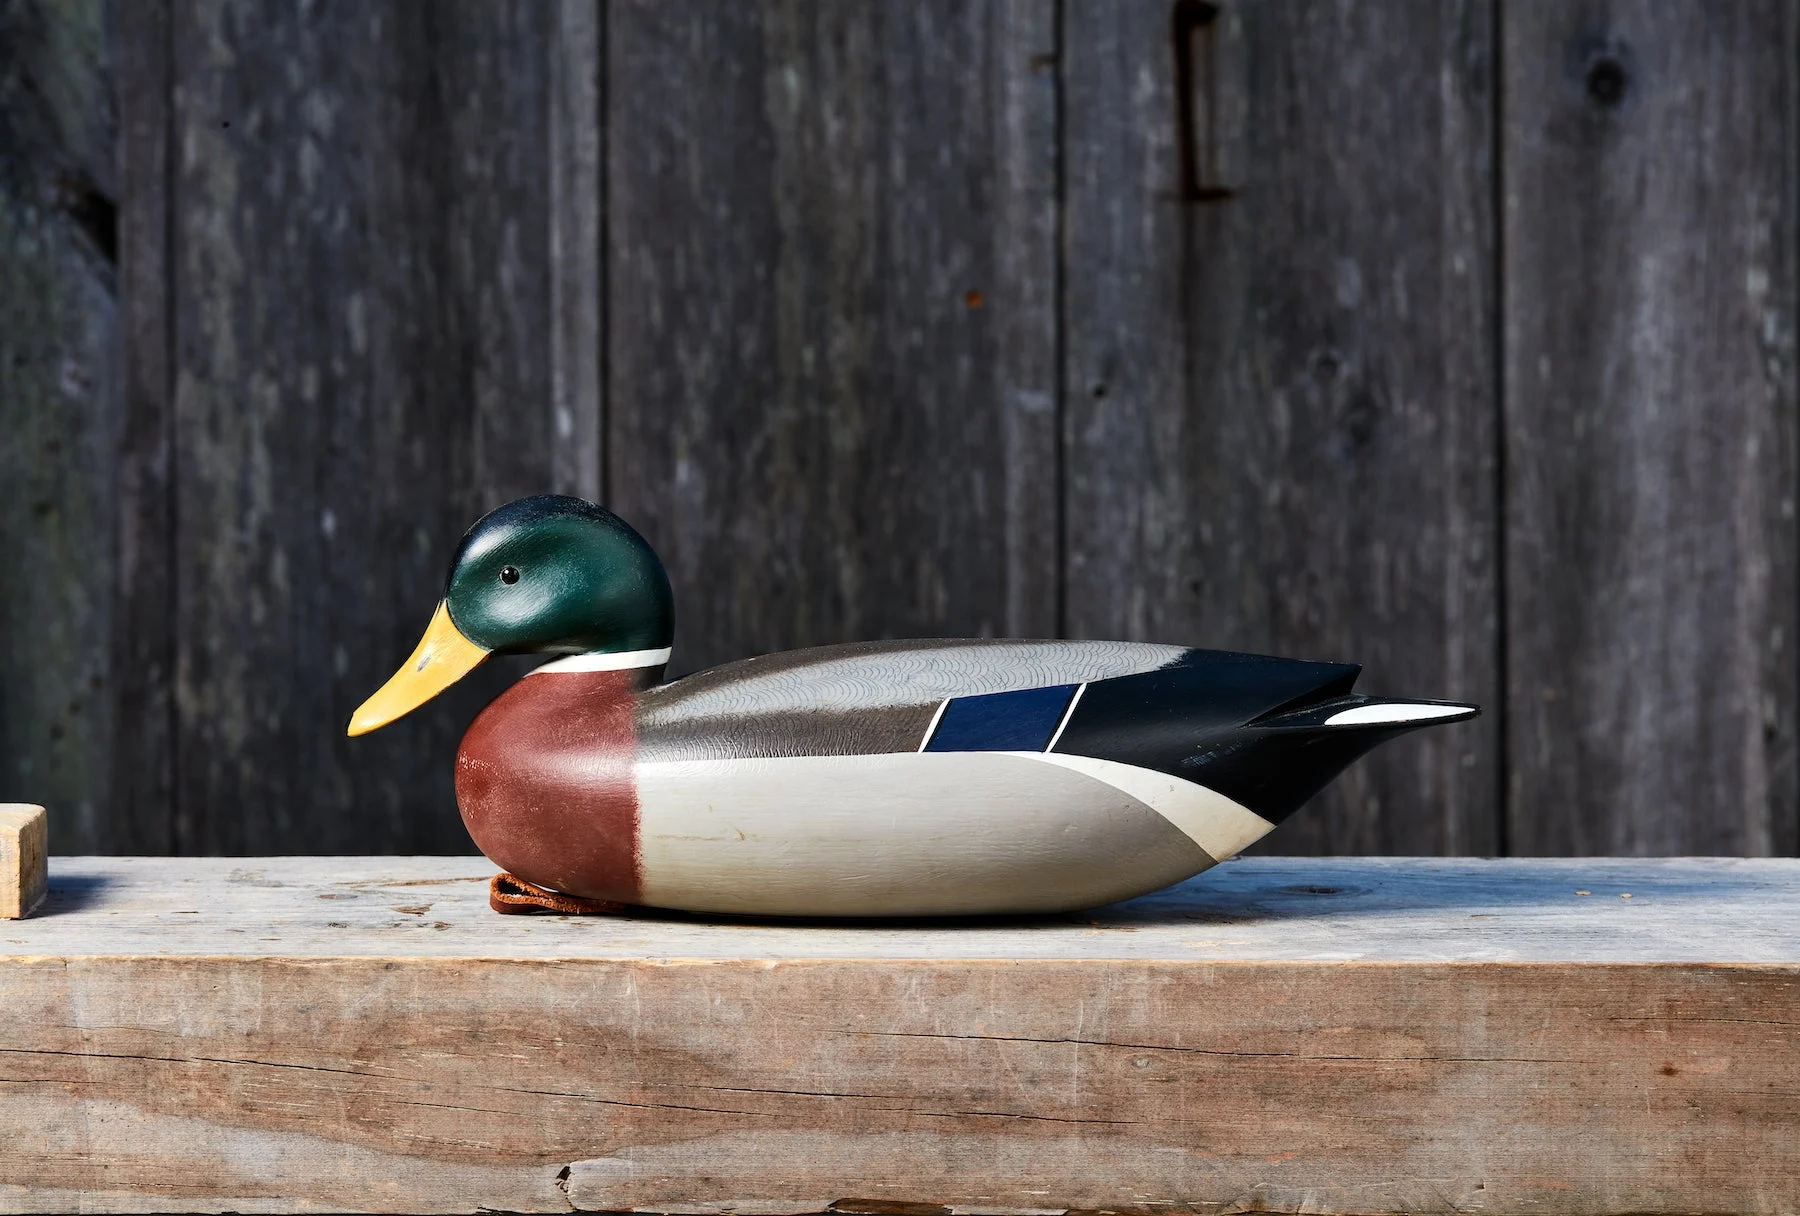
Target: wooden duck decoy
[{"x": 896, "y": 778}]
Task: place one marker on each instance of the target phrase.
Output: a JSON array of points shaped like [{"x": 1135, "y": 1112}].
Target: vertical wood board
[
  {"x": 141, "y": 764},
  {"x": 830, "y": 341},
  {"x": 1281, "y": 403},
  {"x": 577, "y": 314},
  {"x": 362, "y": 294},
  {"x": 59, "y": 392},
  {"x": 1650, "y": 415}
]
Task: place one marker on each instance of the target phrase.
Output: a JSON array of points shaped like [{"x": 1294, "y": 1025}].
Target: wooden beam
[
  {"x": 24, "y": 857},
  {"x": 285, "y": 1034}
]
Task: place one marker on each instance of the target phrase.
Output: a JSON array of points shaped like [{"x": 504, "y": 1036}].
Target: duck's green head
[{"x": 543, "y": 575}]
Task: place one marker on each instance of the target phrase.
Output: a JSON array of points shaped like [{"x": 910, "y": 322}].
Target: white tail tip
[{"x": 1396, "y": 712}]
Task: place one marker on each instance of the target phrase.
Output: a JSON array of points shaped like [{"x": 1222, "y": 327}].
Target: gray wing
[{"x": 863, "y": 698}]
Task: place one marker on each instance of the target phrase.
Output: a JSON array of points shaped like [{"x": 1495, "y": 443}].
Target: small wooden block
[{"x": 24, "y": 859}]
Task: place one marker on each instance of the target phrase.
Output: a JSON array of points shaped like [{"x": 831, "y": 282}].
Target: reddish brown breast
[{"x": 545, "y": 785}]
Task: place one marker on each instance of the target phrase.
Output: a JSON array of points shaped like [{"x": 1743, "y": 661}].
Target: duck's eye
[{"x": 509, "y": 575}]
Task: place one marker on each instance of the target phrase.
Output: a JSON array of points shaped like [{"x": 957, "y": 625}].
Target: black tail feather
[{"x": 1267, "y": 733}]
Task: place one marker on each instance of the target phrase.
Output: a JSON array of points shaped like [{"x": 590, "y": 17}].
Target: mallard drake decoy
[{"x": 895, "y": 778}]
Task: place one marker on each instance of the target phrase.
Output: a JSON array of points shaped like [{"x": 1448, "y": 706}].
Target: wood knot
[{"x": 1607, "y": 81}]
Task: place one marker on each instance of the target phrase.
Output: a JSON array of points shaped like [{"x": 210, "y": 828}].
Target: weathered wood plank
[
  {"x": 1280, "y": 405},
  {"x": 361, "y": 285},
  {"x": 830, "y": 352},
  {"x": 1281, "y": 1035},
  {"x": 576, "y": 285},
  {"x": 387, "y": 288},
  {"x": 24, "y": 854},
  {"x": 1650, "y": 426},
  {"x": 59, "y": 393},
  {"x": 1253, "y": 910},
  {"x": 139, "y": 815}
]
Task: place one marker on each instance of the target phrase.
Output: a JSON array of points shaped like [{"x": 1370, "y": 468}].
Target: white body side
[{"x": 922, "y": 834}]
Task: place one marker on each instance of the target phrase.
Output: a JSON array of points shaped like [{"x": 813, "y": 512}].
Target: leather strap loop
[{"x": 512, "y": 896}]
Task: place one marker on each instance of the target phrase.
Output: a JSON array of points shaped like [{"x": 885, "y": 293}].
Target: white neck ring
[{"x": 628, "y": 660}]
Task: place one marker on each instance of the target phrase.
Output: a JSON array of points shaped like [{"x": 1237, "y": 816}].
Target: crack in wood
[{"x": 1216, "y": 1051}]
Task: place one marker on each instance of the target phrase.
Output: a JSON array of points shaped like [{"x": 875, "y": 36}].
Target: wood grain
[
  {"x": 24, "y": 854},
  {"x": 1650, "y": 418},
  {"x": 905, "y": 329},
  {"x": 576, "y": 280},
  {"x": 1281, "y": 1035},
  {"x": 361, "y": 290},
  {"x": 59, "y": 395},
  {"x": 1251, "y": 910},
  {"x": 139, "y": 805},
  {"x": 830, "y": 358},
  {"x": 1280, "y": 405}
]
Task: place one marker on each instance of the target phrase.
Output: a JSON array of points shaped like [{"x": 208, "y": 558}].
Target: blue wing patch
[{"x": 1001, "y": 721}]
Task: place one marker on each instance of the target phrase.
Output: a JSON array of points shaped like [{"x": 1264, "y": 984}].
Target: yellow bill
[{"x": 443, "y": 657}]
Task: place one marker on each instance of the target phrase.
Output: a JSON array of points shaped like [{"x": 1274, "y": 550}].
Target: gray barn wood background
[{"x": 1449, "y": 336}]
